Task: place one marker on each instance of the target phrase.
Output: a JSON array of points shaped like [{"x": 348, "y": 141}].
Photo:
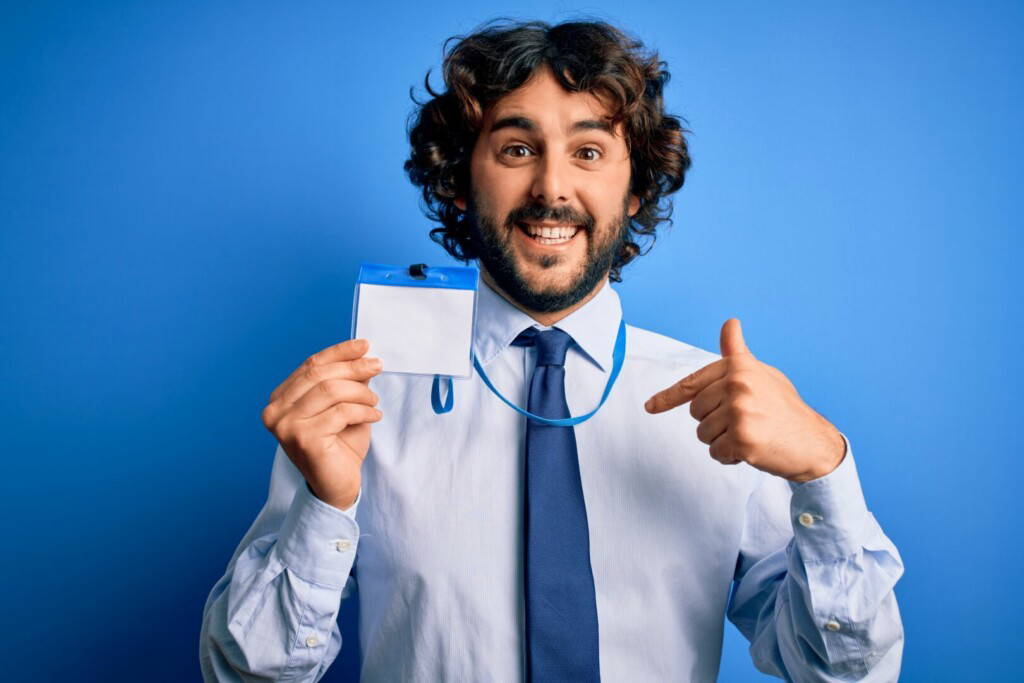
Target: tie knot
[{"x": 551, "y": 344}]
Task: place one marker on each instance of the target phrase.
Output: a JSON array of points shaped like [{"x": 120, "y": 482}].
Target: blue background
[{"x": 188, "y": 188}]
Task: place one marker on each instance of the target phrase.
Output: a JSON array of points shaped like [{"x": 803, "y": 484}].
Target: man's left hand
[{"x": 750, "y": 412}]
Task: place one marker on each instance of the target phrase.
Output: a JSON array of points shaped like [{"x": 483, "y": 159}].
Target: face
[{"x": 550, "y": 201}]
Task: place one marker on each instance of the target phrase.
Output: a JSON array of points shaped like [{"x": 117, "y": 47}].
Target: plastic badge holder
[{"x": 418, "y": 320}]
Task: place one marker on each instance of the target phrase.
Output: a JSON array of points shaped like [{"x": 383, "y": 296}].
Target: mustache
[{"x": 562, "y": 214}]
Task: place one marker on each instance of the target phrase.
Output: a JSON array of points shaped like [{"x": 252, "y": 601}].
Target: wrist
[
  {"x": 343, "y": 503},
  {"x": 836, "y": 450}
]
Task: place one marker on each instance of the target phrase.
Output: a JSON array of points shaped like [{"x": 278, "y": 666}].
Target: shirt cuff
[
  {"x": 318, "y": 541},
  {"x": 829, "y": 513}
]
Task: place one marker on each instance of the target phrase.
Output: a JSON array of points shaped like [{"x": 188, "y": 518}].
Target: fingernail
[
  {"x": 379, "y": 414},
  {"x": 375, "y": 363},
  {"x": 649, "y": 405}
]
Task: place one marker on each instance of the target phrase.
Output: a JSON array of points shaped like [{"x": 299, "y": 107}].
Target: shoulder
[{"x": 646, "y": 346}]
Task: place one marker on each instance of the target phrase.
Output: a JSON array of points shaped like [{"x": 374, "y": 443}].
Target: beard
[{"x": 493, "y": 248}]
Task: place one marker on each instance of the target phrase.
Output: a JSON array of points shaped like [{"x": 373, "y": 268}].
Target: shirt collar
[{"x": 592, "y": 326}]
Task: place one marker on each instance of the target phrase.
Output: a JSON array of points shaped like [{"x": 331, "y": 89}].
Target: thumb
[{"x": 731, "y": 339}]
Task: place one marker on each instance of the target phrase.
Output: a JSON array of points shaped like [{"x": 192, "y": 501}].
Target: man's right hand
[{"x": 321, "y": 416}]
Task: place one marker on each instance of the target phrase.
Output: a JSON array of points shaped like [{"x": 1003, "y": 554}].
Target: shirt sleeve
[
  {"x": 813, "y": 590},
  {"x": 272, "y": 616}
]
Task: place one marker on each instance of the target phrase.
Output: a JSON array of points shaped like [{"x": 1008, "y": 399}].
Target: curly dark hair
[{"x": 498, "y": 57}]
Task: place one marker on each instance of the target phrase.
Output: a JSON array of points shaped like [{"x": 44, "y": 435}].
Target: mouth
[{"x": 550, "y": 235}]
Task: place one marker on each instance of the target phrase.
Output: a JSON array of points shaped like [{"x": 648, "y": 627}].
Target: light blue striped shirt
[{"x": 678, "y": 541}]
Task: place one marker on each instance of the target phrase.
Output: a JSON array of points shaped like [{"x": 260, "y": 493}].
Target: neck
[{"x": 546, "y": 319}]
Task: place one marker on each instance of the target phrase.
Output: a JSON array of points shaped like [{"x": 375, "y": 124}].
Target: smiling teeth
[{"x": 552, "y": 235}]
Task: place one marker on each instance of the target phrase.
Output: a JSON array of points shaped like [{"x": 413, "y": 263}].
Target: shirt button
[
  {"x": 806, "y": 518},
  {"x": 342, "y": 545},
  {"x": 832, "y": 625},
  {"x": 311, "y": 641}
]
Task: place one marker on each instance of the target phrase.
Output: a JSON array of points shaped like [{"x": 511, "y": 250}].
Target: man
[{"x": 486, "y": 546}]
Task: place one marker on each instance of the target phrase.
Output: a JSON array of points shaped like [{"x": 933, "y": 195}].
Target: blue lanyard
[{"x": 618, "y": 355}]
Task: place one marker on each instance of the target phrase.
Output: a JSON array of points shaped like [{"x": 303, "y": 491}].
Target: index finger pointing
[{"x": 686, "y": 388}]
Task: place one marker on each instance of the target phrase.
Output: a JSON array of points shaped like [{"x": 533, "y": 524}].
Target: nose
[{"x": 551, "y": 181}]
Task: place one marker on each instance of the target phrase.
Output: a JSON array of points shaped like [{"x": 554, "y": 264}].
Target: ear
[
  {"x": 460, "y": 202},
  {"x": 634, "y": 204}
]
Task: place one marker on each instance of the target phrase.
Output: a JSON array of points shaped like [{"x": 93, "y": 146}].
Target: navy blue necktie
[{"x": 561, "y": 610}]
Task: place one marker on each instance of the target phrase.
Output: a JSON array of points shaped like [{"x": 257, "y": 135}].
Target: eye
[
  {"x": 516, "y": 156},
  {"x": 596, "y": 153}
]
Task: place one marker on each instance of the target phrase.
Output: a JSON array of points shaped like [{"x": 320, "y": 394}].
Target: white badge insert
[{"x": 413, "y": 326}]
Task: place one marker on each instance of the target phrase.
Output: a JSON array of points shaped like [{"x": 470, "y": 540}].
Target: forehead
[{"x": 550, "y": 107}]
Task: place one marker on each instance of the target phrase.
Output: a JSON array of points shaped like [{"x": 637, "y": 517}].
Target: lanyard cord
[{"x": 618, "y": 356}]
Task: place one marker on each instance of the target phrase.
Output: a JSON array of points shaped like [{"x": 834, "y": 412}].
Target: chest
[{"x": 443, "y": 494}]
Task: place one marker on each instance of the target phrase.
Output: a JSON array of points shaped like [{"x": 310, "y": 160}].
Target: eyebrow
[{"x": 527, "y": 124}]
